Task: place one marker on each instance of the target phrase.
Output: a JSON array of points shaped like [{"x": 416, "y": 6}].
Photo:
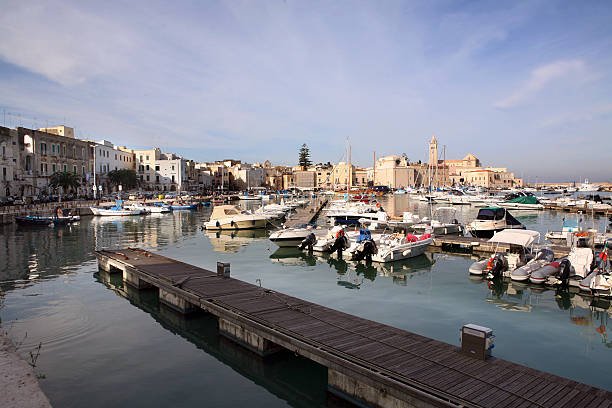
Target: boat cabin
[
  {"x": 496, "y": 214},
  {"x": 224, "y": 211}
]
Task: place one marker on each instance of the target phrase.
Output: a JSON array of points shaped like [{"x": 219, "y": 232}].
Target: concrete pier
[{"x": 369, "y": 364}]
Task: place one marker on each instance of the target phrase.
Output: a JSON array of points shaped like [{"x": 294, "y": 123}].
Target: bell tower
[{"x": 433, "y": 151}]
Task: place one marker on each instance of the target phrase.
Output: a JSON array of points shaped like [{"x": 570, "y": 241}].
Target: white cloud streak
[{"x": 542, "y": 77}]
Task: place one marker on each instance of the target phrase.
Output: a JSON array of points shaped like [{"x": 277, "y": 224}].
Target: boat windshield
[{"x": 490, "y": 214}]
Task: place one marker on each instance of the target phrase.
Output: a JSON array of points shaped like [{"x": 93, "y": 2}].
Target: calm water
[{"x": 106, "y": 345}]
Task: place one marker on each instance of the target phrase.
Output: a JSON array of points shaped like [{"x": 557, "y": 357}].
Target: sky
[{"x": 524, "y": 85}]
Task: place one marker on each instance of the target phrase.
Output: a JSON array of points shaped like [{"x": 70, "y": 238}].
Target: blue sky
[{"x": 525, "y": 85}]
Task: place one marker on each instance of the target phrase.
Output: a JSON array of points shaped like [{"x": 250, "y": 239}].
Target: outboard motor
[
  {"x": 308, "y": 242},
  {"x": 340, "y": 244},
  {"x": 368, "y": 248},
  {"x": 497, "y": 265},
  {"x": 564, "y": 272}
]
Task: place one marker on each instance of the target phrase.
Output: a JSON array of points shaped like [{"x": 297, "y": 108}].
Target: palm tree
[{"x": 65, "y": 180}]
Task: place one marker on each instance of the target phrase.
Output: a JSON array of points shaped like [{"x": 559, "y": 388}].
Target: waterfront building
[
  {"x": 9, "y": 167},
  {"x": 107, "y": 158},
  {"x": 42, "y": 154},
  {"x": 246, "y": 176},
  {"x": 59, "y": 130},
  {"x": 393, "y": 171},
  {"x": 145, "y": 167},
  {"x": 305, "y": 180}
]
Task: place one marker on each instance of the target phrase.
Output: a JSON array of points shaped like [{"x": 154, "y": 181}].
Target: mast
[
  {"x": 374, "y": 176},
  {"x": 348, "y": 180}
]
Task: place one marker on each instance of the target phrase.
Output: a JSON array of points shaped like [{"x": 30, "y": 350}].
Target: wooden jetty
[
  {"x": 307, "y": 214},
  {"x": 368, "y": 363},
  {"x": 481, "y": 245}
]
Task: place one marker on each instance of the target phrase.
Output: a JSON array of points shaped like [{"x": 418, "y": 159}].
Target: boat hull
[{"x": 235, "y": 225}]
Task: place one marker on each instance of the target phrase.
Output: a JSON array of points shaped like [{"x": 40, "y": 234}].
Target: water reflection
[
  {"x": 232, "y": 241},
  {"x": 299, "y": 381},
  {"x": 587, "y": 311}
]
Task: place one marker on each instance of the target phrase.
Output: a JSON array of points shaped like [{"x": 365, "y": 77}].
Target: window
[
  {"x": 65, "y": 167},
  {"x": 82, "y": 153},
  {"x": 52, "y": 148},
  {"x": 83, "y": 170},
  {"x": 45, "y": 168},
  {"x": 4, "y": 173},
  {"x": 3, "y": 150},
  {"x": 41, "y": 168},
  {"x": 147, "y": 167},
  {"x": 115, "y": 156},
  {"x": 156, "y": 179},
  {"x": 173, "y": 167},
  {"x": 141, "y": 158},
  {"x": 147, "y": 177},
  {"x": 173, "y": 178},
  {"x": 156, "y": 168},
  {"x": 74, "y": 169},
  {"x": 28, "y": 163},
  {"x": 147, "y": 157},
  {"x": 64, "y": 150},
  {"x": 74, "y": 153},
  {"x": 43, "y": 148},
  {"x": 53, "y": 168}
]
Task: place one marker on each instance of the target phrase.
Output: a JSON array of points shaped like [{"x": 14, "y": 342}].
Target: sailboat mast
[
  {"x": 348, "y": 182},
  {"x": 374, "y": 175}
]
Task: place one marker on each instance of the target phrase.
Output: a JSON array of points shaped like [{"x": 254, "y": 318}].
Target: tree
[
  {"x": 127, "y": 178},
  {"x": 65, "y": 180},
  {"x": 304, "y": 158}
]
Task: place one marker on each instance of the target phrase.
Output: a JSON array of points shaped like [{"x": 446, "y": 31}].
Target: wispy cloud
[
  {"x": 542, "y": 77},
  {"x": 255, "y": 80}
]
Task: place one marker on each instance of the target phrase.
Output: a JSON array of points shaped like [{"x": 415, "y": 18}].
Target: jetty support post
[{"x": 247, "y": 337}]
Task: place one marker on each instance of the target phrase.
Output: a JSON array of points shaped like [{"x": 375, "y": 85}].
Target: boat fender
[
  {"x": 217, "y": 224},
  {"x": 252, "y": 222},
  {"x": 564, "y": 271},
  {"x": 232, "y": 223}
]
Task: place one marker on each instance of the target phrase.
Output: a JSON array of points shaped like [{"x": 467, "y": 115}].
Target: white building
[{"x": 108, "y": 157}]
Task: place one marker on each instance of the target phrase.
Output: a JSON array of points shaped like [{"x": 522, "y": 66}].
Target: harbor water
[{"x": 104, "y": 344}]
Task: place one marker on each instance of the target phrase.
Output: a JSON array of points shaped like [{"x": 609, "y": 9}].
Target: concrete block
[
  {"x": 365, "y": 395},
  {"x": 176, "y": 302},
  {"x": 247, "y": 338}
]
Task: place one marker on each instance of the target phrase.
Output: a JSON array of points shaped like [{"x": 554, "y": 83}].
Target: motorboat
[
  {"x": 588, "y": 187},
  {"x": 491, "y": 220},
  {"x": 443, "y": 223},
  {"x": 522, "y": 203},
  {"x": 560, "y": 237},
  {"x": 252, "y": 197},
  {"x": 292, "y": 237},
  {"x": 601, "y": 282},
  {"x": 543, "y": 258},
  {"x": 229, "y": 217},
  {"x": 182, "y": 206},
  {"x": 398, "y": 246},
  {"x": 580, "y": 261},
  {"x": 519, "y": 244},
  {"x": 117, "y": 210},
  {"x": 34, "y": 221}
]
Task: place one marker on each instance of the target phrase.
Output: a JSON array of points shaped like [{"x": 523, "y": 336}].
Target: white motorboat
[
  {"x": 491, "y": 220},
  {"x": 588, "y": 187},
  {"x": 520, "y": 244},
  {"x": 292, "y": 237},
  {"x": 580, "y": 260},
  {"x": 228, "y": 217},
  {"x": 560, "y": 237},
  {"x": 117, "y": 210},
  {"x": 395, "y": 247},
  {"x": 443, "y": 223}
]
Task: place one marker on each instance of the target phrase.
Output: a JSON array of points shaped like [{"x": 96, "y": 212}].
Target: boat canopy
[
  {"x": 491, "y": 213},
  {"x": 516, "y": 237},
  {"x": 524, "y": 200},
  {"x": 223, "y": 211}
]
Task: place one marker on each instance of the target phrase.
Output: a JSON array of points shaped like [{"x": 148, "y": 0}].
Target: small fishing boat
[
  {"x": 443, "y": 223},
  {"x": 182, "y": 206},
  {"x": 34, "y": 221}
]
